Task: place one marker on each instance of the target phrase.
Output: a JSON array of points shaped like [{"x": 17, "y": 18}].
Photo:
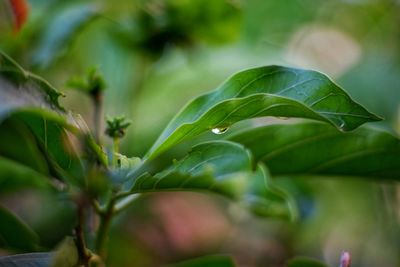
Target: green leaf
[
  {"x": 224, "y": 168},
  {"x": 15, "y": 234},
  {"x": 60, "y": 151},
  {"x": 61, "y": 31},
  {"x": 124, "y": 167},
  {"x": 265, "y": 91},
  {"x": 29, "y": 99},
  {"x": 305, "y": 262},
  {"x": 319, "y": 149},
  {"x": 14, "y": 176},
  {"x": 19, "y": 144},
  {"x": 207, "y": 261},
  {"x": 41, "y": 259},
  {"x": 20, "y": 89}
]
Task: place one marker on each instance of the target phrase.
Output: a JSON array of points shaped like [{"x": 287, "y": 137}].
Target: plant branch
[
  {"x": 97, "y": 207},
  {"x": 79, "y": 232},
  {"x": 102, "y": 233},
  {"x": 125, "y": 202},
  {"x": 97, "y": 115}
]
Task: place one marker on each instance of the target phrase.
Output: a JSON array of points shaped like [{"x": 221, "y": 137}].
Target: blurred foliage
[{"x": 155, "y": 55}]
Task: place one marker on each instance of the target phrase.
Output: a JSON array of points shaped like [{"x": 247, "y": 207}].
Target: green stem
[
  {"x": 97, "y": 116},
  {"x": 102, "y": 234},
  {"x": 115, "y": 151}
]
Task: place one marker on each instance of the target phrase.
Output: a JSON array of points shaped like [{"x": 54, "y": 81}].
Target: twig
[
  {"x": 80, "y": 240},
  {"x": 102, "y": 234}
]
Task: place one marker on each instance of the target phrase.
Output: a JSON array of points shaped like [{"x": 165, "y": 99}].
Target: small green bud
[
  {"x": 116, "y": 127},
  {"x": 93, "y": 83}
]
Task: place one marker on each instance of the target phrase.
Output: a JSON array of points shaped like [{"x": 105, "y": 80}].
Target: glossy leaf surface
[
  {"x": 265, "y": 91},
  {"x": 318, "y": 149},
  {"x": 224, "y": 168}
]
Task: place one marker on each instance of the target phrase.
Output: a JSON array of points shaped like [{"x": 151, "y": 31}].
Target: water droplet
[{"x": 219, "y": 130}]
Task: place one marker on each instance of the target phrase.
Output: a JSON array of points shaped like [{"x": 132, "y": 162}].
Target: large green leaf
[
  {"x": 41, "y": 259},
  {"x": 224, "y": 168},
  {"x": 319, "y": 149},
  {"x": 207, "y": 261},
  {"x": 14, "y": 234},
  {"x": 265, "y": 91}
]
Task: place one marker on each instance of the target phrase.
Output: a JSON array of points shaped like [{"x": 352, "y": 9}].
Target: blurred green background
[{"x": 155, "y": 55}]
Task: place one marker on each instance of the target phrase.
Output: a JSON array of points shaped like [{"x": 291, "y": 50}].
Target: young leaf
[
  {"x": 207, "y": 261},
  {"x": 265, "y": 91},
  {"x": 224, "y": 168},
  {"x": 319, "y": 149},
  {"x": 14, "y": 234},
  {"x": 41, "y": 259}
]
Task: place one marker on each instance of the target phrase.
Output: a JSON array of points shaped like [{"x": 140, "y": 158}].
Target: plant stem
[
  {"x": 115, "y": 150},
  {"x": 102, "y": 234},
  {"x": 80, "y": 240},
  {"x": 97, "y": 115}
]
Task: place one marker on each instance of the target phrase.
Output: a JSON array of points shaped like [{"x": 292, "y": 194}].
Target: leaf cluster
[{"x": 61, "y": 157}]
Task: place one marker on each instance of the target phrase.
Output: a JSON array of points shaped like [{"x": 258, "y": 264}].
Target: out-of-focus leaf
[
  {"x": 41, "y": 259},
  {"x": 156, "y": 26},
  {"x": 61, "y": 31},
  {"x": 305, "y": 262},
  {"x": 27, "y": 98},
  {"x": 224, "y": 168},
  {"x": 265, "y": 91},
  {"x": 21, "y": 89},
  {"x": 14, "y": 175},
  {"x": 19, "y": 145},
  {"x": 14, "y": 234},
  {"x": 207, "y": 261},
  {"x": 318, "y": 149},
  {"x": 61, "y": 152}
]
